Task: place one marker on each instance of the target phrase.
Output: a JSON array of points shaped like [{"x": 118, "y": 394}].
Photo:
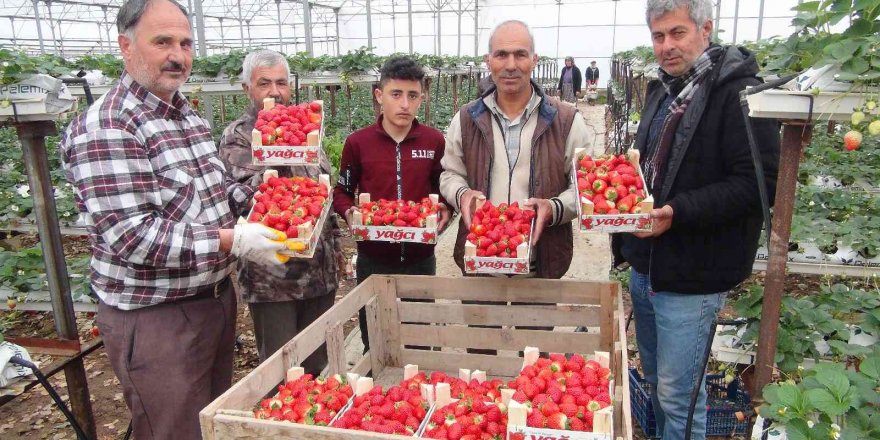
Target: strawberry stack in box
[
  {"x": 612, "y": 193},
  {"x": 499, "y": 240},
  {"x": 288, "y": 135},
  {"x": 297, "y": 206},
  {"x": 398, "y": 221},
  {"x": 561, "y": 398},
  {"x": 306, "y": 400},
  {"x": 399, "y": 410}
]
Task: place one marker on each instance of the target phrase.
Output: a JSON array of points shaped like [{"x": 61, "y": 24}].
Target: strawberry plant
[
  {"x": 828, "y": 401},
  {"x": 824, "y": 318},
  {"x": 108, "y": 64}
]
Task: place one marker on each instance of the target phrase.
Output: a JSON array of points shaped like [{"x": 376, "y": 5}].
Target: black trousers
[{"x": 367, "y": 267}]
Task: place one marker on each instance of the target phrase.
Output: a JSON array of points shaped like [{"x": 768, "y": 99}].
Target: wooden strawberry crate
[
  {"x": 394, "y": 323},
  {"x": 304, "y": 245},
  {"x": 588, "y": 220},
  {"x": 268, "y": 155},
  {"x": 474, "y": 264},
  {"x": 393, "y": 234}
]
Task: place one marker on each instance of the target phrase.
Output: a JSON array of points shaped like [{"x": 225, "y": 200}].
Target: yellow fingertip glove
[{"x": 295, "y": 245}]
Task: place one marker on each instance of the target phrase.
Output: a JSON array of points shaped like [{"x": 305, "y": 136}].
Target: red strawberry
[{"x": 557, "y": 421}]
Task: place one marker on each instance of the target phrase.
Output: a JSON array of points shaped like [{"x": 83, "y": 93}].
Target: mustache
[{"x": 173, "y": 66}]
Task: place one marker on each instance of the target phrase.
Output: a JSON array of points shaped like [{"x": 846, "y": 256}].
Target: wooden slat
[
  {"x": 362, "y": 366},
  {"x": 374, "y": 336},
  {"x": 386, "y": 292},
  {"x": 498, "y": 338},
  {"x": 254, "y": 386},
  {"x": 232, "y": 427},
  {"x": 445, "y": 361},
  {"x": 502, "y": 289},
  {"x": 472, "y": 314},
  {"x": 606, "y": 316},
  {"x": 336, "y": 349},
  {"x": 623, "y": 372}
]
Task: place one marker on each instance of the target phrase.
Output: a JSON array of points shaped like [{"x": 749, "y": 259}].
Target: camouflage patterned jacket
[{"x": 299, "y": 278}]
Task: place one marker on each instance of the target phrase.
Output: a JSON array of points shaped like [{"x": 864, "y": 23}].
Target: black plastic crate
[{"x": 723, "y": 402}]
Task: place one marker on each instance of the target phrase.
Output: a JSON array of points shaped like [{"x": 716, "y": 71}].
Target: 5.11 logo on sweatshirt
[{"x": 423, "y": 154}]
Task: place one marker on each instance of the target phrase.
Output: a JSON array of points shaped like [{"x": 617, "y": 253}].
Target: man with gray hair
[
  {"x": 159, "y": 212},
  {"x": 697, "y": 165},
  {"x": 283, "y": 300},
  {"x": 515, "y": 144}
]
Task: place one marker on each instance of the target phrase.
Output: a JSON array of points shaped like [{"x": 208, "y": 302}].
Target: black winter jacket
[
  {"x": 576, "y": 79},
  {"x": 591, "y": 74},
  {"x": 710, "y": 184}
]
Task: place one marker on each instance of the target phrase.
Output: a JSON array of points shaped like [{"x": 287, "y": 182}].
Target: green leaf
[
  {"x": 856, "y": 65},
  {"x": 832, "y": 377},
  {"x": 789, "y": 395},
  {"x": 825, "y": 402},
  {"x": 806, "y": 7},
  {"x": 871, "y": 367},
  {"x": 797, "y": 429}
]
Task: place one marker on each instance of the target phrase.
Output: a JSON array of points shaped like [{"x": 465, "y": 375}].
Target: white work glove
[{"x": 258, "y": 243}]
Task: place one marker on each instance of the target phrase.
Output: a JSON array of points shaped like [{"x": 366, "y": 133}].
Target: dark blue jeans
[{"x": 672, "y": 330}]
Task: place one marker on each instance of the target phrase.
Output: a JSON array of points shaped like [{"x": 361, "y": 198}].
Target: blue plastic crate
[{"x": 724, "y": 401}]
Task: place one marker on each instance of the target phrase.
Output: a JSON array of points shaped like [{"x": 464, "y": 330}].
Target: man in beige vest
[{"x": 516, "y": 144}]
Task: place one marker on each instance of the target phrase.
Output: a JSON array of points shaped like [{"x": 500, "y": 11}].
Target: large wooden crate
[{"x": 394, "y": 322}]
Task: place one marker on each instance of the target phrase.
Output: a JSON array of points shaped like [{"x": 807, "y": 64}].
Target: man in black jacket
[
  {"x": 591, "y": 74},
  {"x": 698, "y": 166}
]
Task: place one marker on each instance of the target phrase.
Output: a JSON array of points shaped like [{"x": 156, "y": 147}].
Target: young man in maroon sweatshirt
[{"x": 395, "y": 158}]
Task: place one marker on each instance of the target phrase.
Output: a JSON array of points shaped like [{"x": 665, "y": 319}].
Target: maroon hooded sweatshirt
[{"x": 372, "y": 162}]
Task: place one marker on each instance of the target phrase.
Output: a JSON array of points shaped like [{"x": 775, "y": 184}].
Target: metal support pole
[
  {"x": 12, "y": 26},
  {"x": 336, "y": 13},
  {"x": 39, "y": 26},
  {"x": 394, "y": 26},
  {"x": 240, "y": 25},
  {"x": 203, "y": 51},
  {"x": 476, "y": 28},
  {"x": 250, "y": 40},
  {"x": 613, "y": 28},
  {"x": 33, "y": 144},
  {"x": 409, "y": 20},
  {"x": 222, "y": 33},
  {"x": 439, "y": 30},
  {"x": 307, "y": 23},
  {"x": 735, "y": 20},
  {"x": 192, "y": 19},
  {"x": 558, "y": 22},
  {"x": 107, "y": 27},
  {"x": 280, "y": 34},
  {"x": 760, "y": 19},
  {"x": 795, "y": 137},
  {"x": 458, "y": 48},
  {"x": 369, "y": 25},
  {"x": 717, "y": 19},
  {"x": 52, "y": 28}
]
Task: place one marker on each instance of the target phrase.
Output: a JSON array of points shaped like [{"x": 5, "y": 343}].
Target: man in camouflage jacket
[{"x": 283, "y": 300}]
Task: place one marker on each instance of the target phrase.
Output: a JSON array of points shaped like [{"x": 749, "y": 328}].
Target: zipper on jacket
[{"x": 399, "y": 188}]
